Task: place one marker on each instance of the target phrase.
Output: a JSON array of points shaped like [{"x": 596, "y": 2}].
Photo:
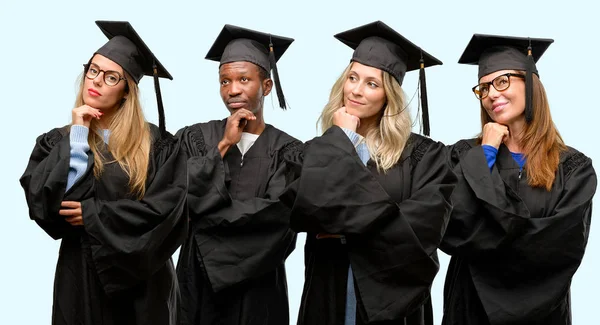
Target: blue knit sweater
[{"x": 79, "y": 152}]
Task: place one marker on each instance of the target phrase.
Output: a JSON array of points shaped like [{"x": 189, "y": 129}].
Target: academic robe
[
  {"x": 514, "y": 248},
  {"x": 117, "y": 267},
  {"x": 392, "y": 224},
  {"x": 231, "y": 267}
]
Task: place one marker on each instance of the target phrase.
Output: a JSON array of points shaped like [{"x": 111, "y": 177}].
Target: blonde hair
[
  {"x": 541, "y": 142},
  {"x": 387, "y": 139},
  {"x": 130, "y": 139}
]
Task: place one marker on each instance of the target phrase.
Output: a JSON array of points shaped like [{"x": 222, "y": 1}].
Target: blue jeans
[{"x": 350, "y": 316}]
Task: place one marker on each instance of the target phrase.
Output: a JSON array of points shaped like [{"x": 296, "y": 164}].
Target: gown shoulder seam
[
  {"x": 55, "y": 135},
  {"x": 197, "y": 136},
  {"x": 419, "y": 150},
  {"x": 290, "y": 149},
  {"x": 573, "y": 162},
  {"x": 461, "y": 147}
]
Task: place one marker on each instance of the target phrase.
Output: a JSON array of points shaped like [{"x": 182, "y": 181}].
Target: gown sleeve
[
  {"x": 481, "y": 192},
  {"x": 131, "y": 239},
  {"x": 45, "y": 182},
  {"x": 520, "y": 265},
  {"x": 391, "y": 243},
  {"x": 237, "y": 239}
]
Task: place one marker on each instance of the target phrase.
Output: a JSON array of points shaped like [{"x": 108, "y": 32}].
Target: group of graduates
[{"x": 512, "y": 206}]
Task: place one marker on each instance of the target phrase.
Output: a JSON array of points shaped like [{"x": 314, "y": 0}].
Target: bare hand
[
  {"x": 72, "y": 212},
  {"x": 494, "y": 134},
  {"x": 235, "y": 126},
  {"x": 84, "y": 114},
  {"x": 344, "y": 120}
]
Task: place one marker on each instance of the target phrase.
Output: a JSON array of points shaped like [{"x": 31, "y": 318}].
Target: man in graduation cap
[
  {"x": 231, "y": 268},
  {"x": 120, "y": 213},
  {"x": 523, "y": 202}
]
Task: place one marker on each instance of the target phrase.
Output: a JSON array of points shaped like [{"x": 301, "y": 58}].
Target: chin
[
  {"x": 504, "y": 119},
  {"x": 90, "y": 101},
  {"x": 100, "y": 105},
  {"x": 353, "y": 111}
]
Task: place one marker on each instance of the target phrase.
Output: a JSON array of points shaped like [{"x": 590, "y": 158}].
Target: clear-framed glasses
[
  {"x": 500, "y": 83},
  {"x": 111, "y": 78}
]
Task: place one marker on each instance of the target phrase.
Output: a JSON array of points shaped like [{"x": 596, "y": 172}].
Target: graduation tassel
[
  {"x": 529, "y": 85},
  {"x": 278, "y": 89},
  {"x": 161, "y": 111},
  {"x": 424, "y": 104}
]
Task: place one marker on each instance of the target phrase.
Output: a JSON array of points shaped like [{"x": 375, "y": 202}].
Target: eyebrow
[
  {"x": 96, "y": 64},
  {"x": 368, "y": 78},
  {"x": 238, "y": 72}
]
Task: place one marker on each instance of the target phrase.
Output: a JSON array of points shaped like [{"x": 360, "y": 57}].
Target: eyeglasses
[
  {"x": 111, "y": 78},
  {"x": 500, "y": 83}
]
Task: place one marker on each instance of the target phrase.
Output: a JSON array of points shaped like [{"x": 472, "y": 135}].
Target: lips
[
  {"x": 236, "y": 104},
  {"x": 353, "y": 102},
  {"x": 498, "y": 106},
  {"x": 93, "y": 92}
]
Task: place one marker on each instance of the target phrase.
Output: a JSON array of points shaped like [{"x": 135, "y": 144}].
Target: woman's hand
[
  {"x": 342, "y": 119},
  {"x": 494, "y": 134},
  {"x": 72, "y": 212},
  {"x": 84, "y": 114}
]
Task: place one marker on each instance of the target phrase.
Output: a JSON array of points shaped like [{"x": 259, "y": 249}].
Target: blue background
[{"x": 43, "y": 45}]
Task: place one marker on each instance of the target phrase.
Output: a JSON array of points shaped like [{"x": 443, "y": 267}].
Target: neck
[
  {"x": 366, "y": 125},
  {"x": 516, "y": 130},
  {"x": 256, "y": 126}
]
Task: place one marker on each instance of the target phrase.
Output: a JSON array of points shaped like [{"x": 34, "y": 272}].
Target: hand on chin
[{"x": 352, "y": 111}]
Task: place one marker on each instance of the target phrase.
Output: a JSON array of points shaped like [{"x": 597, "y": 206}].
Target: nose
[
  {"x": 234, "y": 89},
  {"x": 357, "y": 89}
]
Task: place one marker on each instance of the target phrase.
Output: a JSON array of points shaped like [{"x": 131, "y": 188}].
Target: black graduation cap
[
  {"x": 241, "y": 44},
  {"x": 494, "y": 53},
  {"x": 379, "y": 46},
  {"x": 126, "y": 48}
]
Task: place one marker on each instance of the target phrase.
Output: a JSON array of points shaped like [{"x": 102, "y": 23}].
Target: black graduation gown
[
  {"x": 117, "y": 268},
  {"x": 514, "y": 248},
  {"x": 231, "y": 268},
  {"x": 392, "y": 223}
]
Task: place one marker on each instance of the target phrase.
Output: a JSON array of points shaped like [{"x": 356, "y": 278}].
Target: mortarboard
[
  {"x": 241, "y": 44},
  {"x": 127, "y": 49},
  {"x": 379, "y": 46}
]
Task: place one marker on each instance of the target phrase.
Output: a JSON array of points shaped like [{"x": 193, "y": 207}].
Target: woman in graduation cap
[
  {"x": 372, "y": 196},
  {"x": 111, "y": 186},
  {"x": 523, "y": 201}
]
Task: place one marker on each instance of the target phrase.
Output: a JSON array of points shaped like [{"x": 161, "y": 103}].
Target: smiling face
[
  {"x": 364, "y": 94},
  {"x": 507, "y": 106},
  {"x": 242, "y": 86},
  {"x": 96, "y": 93}
]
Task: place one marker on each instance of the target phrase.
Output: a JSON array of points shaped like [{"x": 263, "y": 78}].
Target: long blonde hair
[
  {"x": 387, "y": 139},
  {"x": 541, "y": 142},
  {"x": 130, "y": 139}
]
